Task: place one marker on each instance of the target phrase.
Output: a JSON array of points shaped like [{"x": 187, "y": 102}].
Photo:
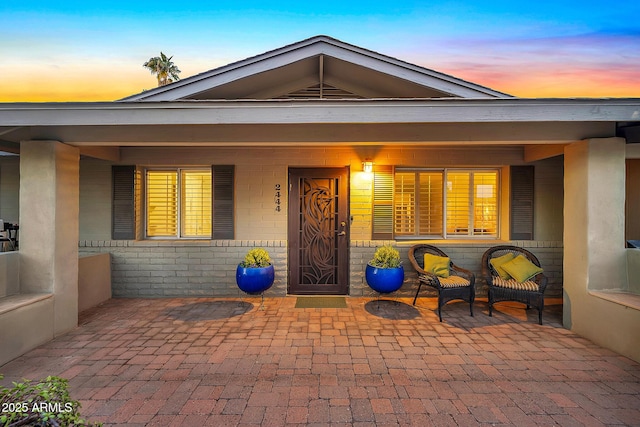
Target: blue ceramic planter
[
  {"x": 384, "y": 280},
  {"x": 254, "y": 280}
]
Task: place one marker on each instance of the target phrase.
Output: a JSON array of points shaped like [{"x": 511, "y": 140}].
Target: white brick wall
[
  {"x": 467, "y": 256},
  {"x": 164, "y": 269}
]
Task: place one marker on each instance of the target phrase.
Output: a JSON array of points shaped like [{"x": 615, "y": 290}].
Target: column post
[
  {"x": 594, "y": 246},
  {"x": 49, "y": 232}
]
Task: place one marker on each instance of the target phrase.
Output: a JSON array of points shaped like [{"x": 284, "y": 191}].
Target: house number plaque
[{"x": 276, "y": 197}]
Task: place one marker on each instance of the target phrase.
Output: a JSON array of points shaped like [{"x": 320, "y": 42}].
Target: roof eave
[{"x": 321, "y": 111}]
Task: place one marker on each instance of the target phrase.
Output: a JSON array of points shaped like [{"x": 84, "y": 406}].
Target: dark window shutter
[
  {"x": 223, "y": 188},
  {"x": 123, "y": 203},
  {"x": 382, "y": 221},
  {"x": 522, "y": 195}
]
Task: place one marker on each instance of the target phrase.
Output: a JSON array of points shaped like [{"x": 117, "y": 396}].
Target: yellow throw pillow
[
  {"x": 521, "y": 269},
  {"x": 437, "y": 265},
  {"x": 499, "y": 261}
]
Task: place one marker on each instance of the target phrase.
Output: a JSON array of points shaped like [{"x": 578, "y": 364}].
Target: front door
[{"x": 319, "y": 231}]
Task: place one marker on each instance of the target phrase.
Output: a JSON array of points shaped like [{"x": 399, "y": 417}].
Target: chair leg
[
  {"x": 540, "y": 308},
  {"x": 440, "y": 306},
  {"x": 471, "y": 308},
  {"x": 417, "y": 292}
]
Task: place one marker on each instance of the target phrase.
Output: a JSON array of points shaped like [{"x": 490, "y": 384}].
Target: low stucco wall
[
  {"x": 25, "y": 320},
  {"x": 25, "y": 327},
  {"x": 9, "y": 273},
  {"x": 94, "y": 280},
  {"x": 607, "y": 323}
]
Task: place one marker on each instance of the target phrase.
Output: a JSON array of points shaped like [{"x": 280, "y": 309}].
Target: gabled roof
[{"x": 317, "y": 68}]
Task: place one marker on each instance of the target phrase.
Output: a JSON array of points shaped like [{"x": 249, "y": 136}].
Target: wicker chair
[
  {"x": 530, "y": 292},
  {"x": 459, "y": 285}
]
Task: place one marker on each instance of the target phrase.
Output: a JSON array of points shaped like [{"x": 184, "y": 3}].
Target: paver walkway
[{"x": 225, "y": 362}]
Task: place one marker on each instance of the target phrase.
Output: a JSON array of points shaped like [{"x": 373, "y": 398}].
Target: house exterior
[{"x": 176, "y": 183}]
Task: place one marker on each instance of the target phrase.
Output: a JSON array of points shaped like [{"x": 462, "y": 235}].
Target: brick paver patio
[{"x": 225, "y": 362}]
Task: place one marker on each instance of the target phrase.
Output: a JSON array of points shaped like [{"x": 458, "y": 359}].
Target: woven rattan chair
[
  {"x": 459, "y": 285},
  {"x": 530, "y": 292}
]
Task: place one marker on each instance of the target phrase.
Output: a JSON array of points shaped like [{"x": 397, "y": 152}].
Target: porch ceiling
[
  {"x": 317, "y": 134},
  {"x": 345, "y": 122}
]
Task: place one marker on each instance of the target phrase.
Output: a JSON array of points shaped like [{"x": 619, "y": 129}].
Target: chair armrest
[
  {"x": 416, "y": 266},
  {"x": 541, "y": 280}
]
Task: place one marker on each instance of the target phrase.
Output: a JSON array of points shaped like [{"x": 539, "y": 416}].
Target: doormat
[{"x": 321, "y": 302}]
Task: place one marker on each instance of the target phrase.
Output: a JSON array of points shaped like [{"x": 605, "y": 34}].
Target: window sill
[
  {"x": 452, "y": 242},
  {"x": 621, "y": 297},
  {"x": 173, "y": 242}
]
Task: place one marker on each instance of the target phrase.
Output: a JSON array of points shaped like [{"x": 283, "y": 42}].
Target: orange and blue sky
[{"x": 94, "y": 50}]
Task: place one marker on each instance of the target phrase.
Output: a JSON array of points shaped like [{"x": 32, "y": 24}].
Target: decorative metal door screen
[{"x": 318, "y": 231}]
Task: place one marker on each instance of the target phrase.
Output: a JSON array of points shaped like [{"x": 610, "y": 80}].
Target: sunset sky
[{"x": 94, "y": 50}]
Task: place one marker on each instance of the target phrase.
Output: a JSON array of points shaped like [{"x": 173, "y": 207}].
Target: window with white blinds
[
  {"x": 445, "y": 203},
  {"x": 178, "y": 203}
]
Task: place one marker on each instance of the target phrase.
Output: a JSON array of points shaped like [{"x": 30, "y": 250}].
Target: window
[
  {"x": 175, "y": 203},
  {"x": 445, "y": 203},
  {"x": 178, "y": 203}
]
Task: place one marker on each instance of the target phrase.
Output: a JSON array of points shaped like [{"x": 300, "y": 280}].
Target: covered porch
[{"x": 598, "y": 274}]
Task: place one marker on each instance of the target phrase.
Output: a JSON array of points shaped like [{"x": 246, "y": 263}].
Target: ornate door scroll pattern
[{"x": 318, "y": 231}]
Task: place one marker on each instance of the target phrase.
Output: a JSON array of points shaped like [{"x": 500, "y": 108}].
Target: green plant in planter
[
  {"x": 256, "y": 257},
  {"x": 46, "y": 403},
  {"x": 386, "y": 257}
]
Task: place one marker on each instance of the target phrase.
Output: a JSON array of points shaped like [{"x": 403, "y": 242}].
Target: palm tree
[{"x": 165, "y": 70}]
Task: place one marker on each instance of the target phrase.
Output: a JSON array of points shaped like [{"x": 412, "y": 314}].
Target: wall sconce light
[{"x": 367, "y": 166}]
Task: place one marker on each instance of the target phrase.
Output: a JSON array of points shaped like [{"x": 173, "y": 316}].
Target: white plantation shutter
[
  {"x": 404, "y": 219},
  {"x": 458, "y": 203},
  {"x": 178, "y": 203},
  {"x": 485, "y": 203},
  {"x": 418, "y": 203},
  {"x": 428, "y": 202},
  {"x": 162, "y": 203},
  {"x": 195, "y": 203},
  {"x": 431, "y": 212}
]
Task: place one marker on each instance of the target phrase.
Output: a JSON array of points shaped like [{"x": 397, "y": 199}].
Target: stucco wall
[
  {"x": 595, "y": 258},
  {"x": 9, "y": 273},
  {"x": 549, "y": 199},
  {"x": 95, "y": 199},
  {"x": 94, "y": 280},
  {"x": 49, "y": 186}
]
